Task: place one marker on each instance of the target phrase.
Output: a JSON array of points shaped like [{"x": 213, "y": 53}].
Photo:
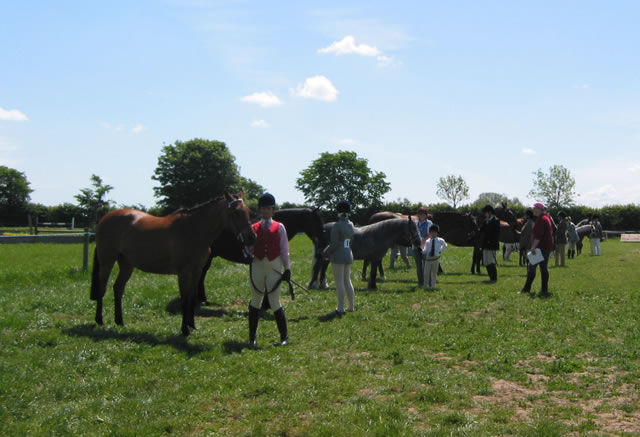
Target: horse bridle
[{"x": 232, "y": 205}]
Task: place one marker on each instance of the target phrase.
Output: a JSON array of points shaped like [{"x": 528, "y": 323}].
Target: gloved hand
[{"x": 286, "y": 276}]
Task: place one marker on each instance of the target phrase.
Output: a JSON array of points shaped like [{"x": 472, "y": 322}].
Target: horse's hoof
[
  {"x": 119, "y": 323},
  {"x": 99, "y": 322},
  {"x": 185, "y": 332}
]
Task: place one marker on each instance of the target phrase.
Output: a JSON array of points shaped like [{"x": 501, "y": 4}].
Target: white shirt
[{"x": 440, "y": 246}]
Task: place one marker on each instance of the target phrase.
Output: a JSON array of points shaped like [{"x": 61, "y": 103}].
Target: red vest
[{"x": 267, "y": 242}]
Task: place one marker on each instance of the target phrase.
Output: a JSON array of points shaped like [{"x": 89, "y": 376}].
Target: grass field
[{"x": 470, "y": 358}]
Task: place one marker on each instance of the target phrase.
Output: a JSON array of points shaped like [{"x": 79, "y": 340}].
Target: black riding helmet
[
  {"x": 343, "y": 207},
  {"x": 266, "y": 199}
]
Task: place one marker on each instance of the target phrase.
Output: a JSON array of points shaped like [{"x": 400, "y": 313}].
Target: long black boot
[
  {"x": 254, "y": 316},
  {"x": 492, "y": 271},
  {"x": 281, "y": 321}
]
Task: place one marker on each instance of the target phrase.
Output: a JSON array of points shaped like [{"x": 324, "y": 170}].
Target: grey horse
[{"x": 370, "y": 243}]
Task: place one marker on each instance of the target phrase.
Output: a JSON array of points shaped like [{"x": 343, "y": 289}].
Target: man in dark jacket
[{"x": 490, "y": 230}]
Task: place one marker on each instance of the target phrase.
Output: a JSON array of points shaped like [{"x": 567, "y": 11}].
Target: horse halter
[{"x": 232, "y": 206}]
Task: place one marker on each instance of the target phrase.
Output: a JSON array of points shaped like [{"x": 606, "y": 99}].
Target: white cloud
[
  {"x": 385, "y": 61},
  {"x": 347, "y": 142},
  {"x": 317, "y": 87},
  {"x": 582, "y": 86},
  {"x": 265, "y": 99},
  {"x": 634, "y": 168},
  {"x": 113, "y": 127},
  {"x": 348, "y": 46},
  {"x": 528, "y": 151},
  {"x": 138, "y": 128},
  {"x": 12, "y": 115},
  {"x": 259, "y": 123}
]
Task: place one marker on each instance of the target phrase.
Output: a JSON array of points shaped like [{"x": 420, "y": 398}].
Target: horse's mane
[
  {"x": 383, "y": 224},
  {"x": 184, "y": 210}
]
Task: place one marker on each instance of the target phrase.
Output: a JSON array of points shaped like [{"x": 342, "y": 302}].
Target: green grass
[{"x": 470, "y": 358}]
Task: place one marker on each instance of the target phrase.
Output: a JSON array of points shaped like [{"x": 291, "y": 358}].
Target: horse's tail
[{"x": 95, "y": 277}]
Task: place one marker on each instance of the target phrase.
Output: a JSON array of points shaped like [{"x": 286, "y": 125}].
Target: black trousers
[{"x": 544, "y": 274}]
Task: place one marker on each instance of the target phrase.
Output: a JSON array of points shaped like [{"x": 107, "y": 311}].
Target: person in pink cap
[{"x": 542, "y": 240}]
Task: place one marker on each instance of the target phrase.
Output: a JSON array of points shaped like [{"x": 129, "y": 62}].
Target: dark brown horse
[
  {"x": 295, "y": 221},
  {"x": 177, "y": 244}
]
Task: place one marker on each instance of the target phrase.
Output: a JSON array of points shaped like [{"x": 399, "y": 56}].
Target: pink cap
[{"x": 539, "y": 205}]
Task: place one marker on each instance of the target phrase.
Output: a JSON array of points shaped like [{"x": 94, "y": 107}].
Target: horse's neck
[
  {"x": 392, "y": 231},
  {"x": 208, "y": 221}
]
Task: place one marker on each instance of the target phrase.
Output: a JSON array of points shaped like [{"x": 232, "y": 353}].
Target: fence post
[{"x": 85, "y": 252}]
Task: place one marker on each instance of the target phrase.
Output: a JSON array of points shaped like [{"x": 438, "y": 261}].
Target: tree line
[{"x": 191, "y": 172}]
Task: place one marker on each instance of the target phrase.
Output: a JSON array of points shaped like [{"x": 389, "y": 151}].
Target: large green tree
[
  {"x": 556, "y": 188},
  {"x": 92, "y": 202},
  {"x": 342, "y": 175},
  {"x": 195, "y": 171},
  {"x": 15, "y": 194},
  {"x": 453, "y": 189},
  {"x": 494, "y": 199}
]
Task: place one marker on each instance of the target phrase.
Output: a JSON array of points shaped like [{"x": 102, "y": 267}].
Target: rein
[
  {"x": 231, "y": 206},
  {"x": 275, "y": 286}
]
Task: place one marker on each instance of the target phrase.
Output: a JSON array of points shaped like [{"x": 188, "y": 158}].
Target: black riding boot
[
  {"x": 281, "y": 321},
  {"x": 492, "y": 270},
  {"x": 254, "y": 316}
]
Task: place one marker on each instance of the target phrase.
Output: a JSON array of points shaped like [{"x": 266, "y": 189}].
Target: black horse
[
  {"x": 371, "y": 242},
  {"x": 295, "y": 221}
]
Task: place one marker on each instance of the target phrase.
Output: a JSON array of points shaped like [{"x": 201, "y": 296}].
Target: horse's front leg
[
  {"x": 99, "y": 319},
  {"x": 323, "y": 276},
  {"x": 372, "y": 278},
  {"x": 365, "y": 264},
  {"x": 187, "y": 299},
  {"x": 202, "y": 296}
]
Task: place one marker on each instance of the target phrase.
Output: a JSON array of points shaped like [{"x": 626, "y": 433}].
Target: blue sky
[{"x": 489, "y": 90}]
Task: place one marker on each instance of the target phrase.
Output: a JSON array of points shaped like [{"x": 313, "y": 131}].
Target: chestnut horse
[{"x": 177, "y": 244}]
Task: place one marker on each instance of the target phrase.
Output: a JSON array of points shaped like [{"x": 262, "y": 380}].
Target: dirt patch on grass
[{"x": 615, "y": 410}]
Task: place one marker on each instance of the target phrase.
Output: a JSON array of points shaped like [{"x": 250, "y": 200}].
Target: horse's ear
[
  {"x": 240, "y": 194},
  {"x": 228, "y": 196}
]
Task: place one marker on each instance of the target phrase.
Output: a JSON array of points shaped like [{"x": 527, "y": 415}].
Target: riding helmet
[
  {"x": 488, "y": 208},
  {"x": 343, "y": 207},
  {"x": 266, "y": 199}
]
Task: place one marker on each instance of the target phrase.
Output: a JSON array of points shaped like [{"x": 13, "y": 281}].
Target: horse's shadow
[
  {"x": 97, "y": 334},
  {"x": 174, "y": 307}
]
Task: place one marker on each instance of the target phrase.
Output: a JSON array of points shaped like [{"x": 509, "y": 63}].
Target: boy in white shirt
[{"x": 433, "y": 247}]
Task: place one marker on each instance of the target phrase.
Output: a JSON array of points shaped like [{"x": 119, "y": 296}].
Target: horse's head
[
  {"x": 238, "y": 219},
  {"x": 471, "y": 229},
  {"x": 414, "y": 235}
]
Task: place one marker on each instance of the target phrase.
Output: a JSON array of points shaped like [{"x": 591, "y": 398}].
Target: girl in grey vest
[{"x": 341, "y": 257}]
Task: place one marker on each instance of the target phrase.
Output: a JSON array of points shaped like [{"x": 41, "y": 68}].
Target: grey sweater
[{"x": 339, "y": 249}]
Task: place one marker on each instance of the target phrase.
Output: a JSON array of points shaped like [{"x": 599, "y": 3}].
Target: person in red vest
[
  {"x": 542, "y": 240},
  {"x": 270, "y": 256}
]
